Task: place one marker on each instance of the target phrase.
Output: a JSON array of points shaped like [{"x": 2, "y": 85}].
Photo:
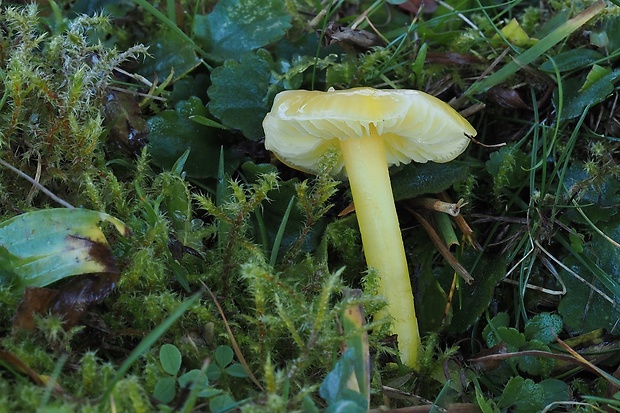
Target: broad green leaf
[
  {"x": 428, "y": 178},
  {"x": 169, "y": 52},
  {"x": 238, "y": 26},
  {"x": 597, "y": 197},
  {"x": 577, "y": 97},
  {"x": 544, "y": 327},
  {"x": 241, "y": 93},
  {"x": 170, "y": 358},
  {"x": 526, "y": 396},
  {"x": 41, "y": 247},
  {"x": 213, "y": 371},
  {"x": 582, "y": 308},
  {"x": 535, "y": 366},
  {"x": 173, "y": 132},
  {"x": 571, "y": 60}
]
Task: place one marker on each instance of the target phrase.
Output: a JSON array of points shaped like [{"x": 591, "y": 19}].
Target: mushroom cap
[{"x": 303, "y": 125}]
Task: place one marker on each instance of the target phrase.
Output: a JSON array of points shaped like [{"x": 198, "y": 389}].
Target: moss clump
[{"x": 54, "y": 87}]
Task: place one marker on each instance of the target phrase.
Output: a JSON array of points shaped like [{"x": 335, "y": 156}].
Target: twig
[
  {"x": 36, "y": 184},
  {"x": 235, "y": 345}
]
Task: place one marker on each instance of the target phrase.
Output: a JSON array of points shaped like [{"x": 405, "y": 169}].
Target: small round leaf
[
  {"x": 236, "y": 370},
  {"x": 223, "y": 355},
  {"x": 165, "y": 389},
  {"x": 170, "y": 358}
]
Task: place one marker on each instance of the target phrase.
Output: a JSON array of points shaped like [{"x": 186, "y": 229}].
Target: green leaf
[
  {"x": 168, "y": 52},
  {"x": 241, "y": 92},
  {"x": 213, "y": 372},
  {"x": 236, "y": 370},
  {"x": 611, "y": 27},
  {"x": 428, "y": 178},
  {"x": 474, "y": 299},
  {"x": 513, "y": 339},
  {"x": 486, "y": 406},
  {"x": 198, "y": 379},
  {"x": 148, "y": 341},
  {"x": 238, "y": 26},
  {"x": 571, "y": 60},
  {"x": 598, "y": 197},
  {"x": 194, "y": 378},
  {"x": 544, "y": 327},
  {"x": 535, "y": 366},
  {"x": 430, "y": 297},
  {"x": 334, "y": 388},
  {"x": 173, "y": 132},
  {"x": 490, "y": 332},
  {"x": 353, "y": 320},
  {"x": 41, "y": 247},
  {"x": 534, "y": 52},
  {"x": 513, "y": 33},
  {"x": 223, "y": 356},
  {"x": 582, "y": 308},
  {"x": 523, "y": 395},
  {"x": 222, "y": 403},
  {"x": 170, "y": 359},
  {"x": 526, "y": 396},
  {"x": 595, "y": 74},
  {"x": 507, "y": 167},
  {"x": 165, "y": 389},
  {"x": 308, "y": 405},
  {"x": 577, "y": 97}
]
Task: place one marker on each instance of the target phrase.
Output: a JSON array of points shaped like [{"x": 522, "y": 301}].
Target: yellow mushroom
[{"x": 371, "y": 129}]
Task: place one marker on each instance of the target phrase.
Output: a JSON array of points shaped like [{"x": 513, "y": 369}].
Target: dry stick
[
  {"x": 233, "y": 340},
  {"x": 36, "y": 184},
  {"x": 443, "y": 250}
]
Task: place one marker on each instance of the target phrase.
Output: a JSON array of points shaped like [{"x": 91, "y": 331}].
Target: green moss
[{"x": 55, "y": 86}]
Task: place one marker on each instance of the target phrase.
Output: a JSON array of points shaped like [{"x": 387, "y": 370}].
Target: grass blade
[
  {"x": 537, "y": 50},
  {"x": 148, "y": 341},
  {"x": 276, "y": 243},
  {"x": 170, "y": 24}
]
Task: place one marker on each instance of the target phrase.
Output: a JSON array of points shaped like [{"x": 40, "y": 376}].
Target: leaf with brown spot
[
  {"x": 35, "y": 301},
  {"x": 70, "y": 302},
  {"x": 41, "y": 247},
  {"x": 78, "y": 295}
]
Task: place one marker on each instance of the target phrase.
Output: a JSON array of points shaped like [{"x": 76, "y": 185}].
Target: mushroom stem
[{"x": 367, "y": 169}]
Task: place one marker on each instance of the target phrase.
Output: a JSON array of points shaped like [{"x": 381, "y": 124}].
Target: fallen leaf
[{"x": 41, "y": 247}]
